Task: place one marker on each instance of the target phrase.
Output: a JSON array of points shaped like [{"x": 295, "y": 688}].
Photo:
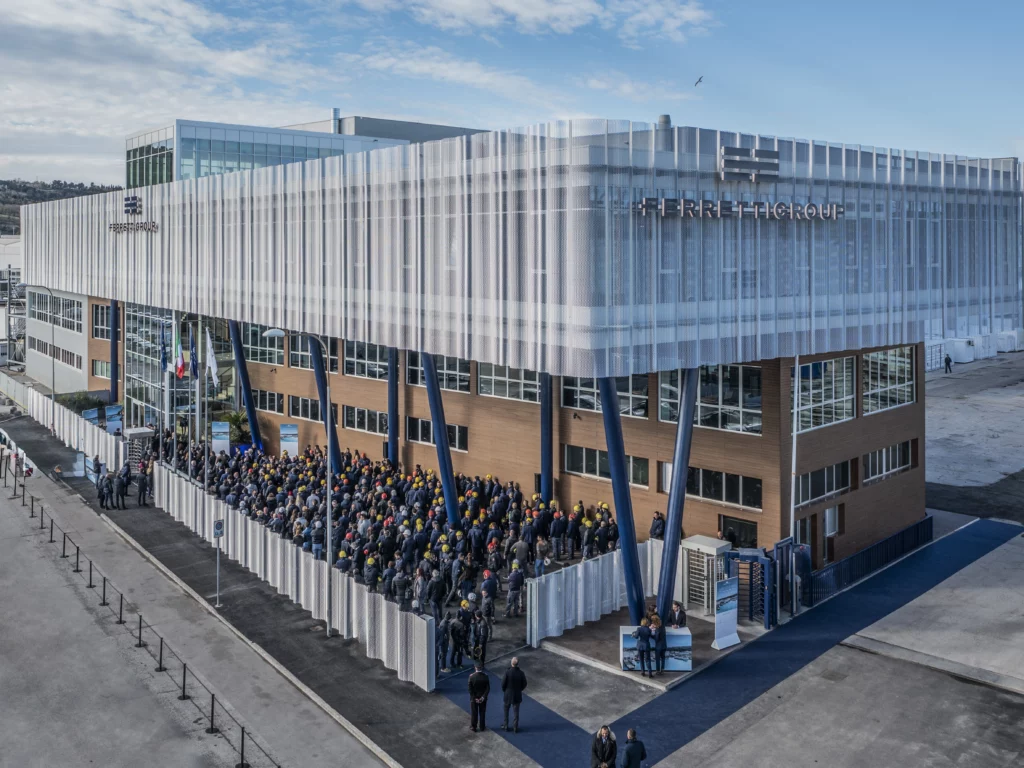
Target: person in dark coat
[
  {"x": 634, "y": 752},
  {"x": 949, "y": 364},
  {"x": 120, "y": 491},
  {"x": 513, "y": 684},
  {"x": 604, "y": 750},
  {"x": 479, "y": 690},
  {"x": 676, "y": 618},
  {"x": 660, "y": 645},
  {"x": 657, "y": 526},
  {"x": 643, "y": 647},
  {"x": 143, "y": 483}
]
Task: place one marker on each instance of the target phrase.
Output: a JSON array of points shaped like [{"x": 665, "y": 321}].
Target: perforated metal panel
[{"x": 527, "y": 247}]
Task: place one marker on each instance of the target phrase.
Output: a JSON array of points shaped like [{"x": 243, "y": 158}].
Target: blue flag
[
  {"x": 163, "y": 351},
  {"x": 193, "y": 362}
]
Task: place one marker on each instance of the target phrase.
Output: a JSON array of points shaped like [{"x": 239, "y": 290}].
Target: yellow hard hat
[
  {"x": 370, "y": 561},
  {"x": 465, "y": 603},
  {"x": 444, "y": 547}
]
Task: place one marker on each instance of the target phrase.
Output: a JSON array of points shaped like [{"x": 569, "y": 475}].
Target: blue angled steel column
[
  {"x": 677, "y": 489},
  {"x": 623, "y": 502},
  {"x": 393, "y": 406},
  {"x": 317, "y": 358},
  {"x": 243, "y": 382},
  {"x": 115, "y": 331},
  {"x": 546, "y": 462},
  {"x": 440, "y": 429}
]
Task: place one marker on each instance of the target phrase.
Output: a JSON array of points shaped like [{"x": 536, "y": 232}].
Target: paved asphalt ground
[
  {"x": 75, "y": 690},
  {"x": 974, "y": 459},
  {"x": 929, "y": 691}
]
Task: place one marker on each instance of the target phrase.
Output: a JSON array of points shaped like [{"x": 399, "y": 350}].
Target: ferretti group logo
[
  {"x": 745, "y": 164},
  {"x": 133, "y": 208}
]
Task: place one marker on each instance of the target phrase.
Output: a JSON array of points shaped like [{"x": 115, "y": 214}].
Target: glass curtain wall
[
  {"x": 150, "y": 159},
  {"x": 207, "y": 151},
  {"x": 144, "y": 379}
]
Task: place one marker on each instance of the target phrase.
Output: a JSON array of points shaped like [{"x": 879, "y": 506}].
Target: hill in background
[{"x": 15, "y": 192}]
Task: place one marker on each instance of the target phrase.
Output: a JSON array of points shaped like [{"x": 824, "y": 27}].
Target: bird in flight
[{"x": 699, "y": 81}]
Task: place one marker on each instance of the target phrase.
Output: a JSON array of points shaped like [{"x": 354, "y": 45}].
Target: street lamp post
[
  {"x": 277, "y": 333},
  {"x": 53, "y": 358}
]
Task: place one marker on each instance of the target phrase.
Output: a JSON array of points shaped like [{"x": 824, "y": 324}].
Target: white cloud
[
  {"x": 625, "y": 87},
  {"x": 411, "y": 60},
  {"x": 634, "y": 20},
  {"x": 78, "y": 77},
  {"x": 670, "y": 19}
]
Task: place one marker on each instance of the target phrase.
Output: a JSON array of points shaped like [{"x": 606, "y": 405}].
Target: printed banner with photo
[
  {"x": 290, "y": 439},
  {"x": 727, "y": 603},
  {"x": 220, "y": 436},
  {"x": 678, "y": 654}
]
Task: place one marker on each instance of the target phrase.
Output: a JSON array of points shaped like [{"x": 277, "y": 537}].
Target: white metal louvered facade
[{"x": 525, "y": 247}]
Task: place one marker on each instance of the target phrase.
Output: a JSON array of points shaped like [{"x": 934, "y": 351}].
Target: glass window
[
  {"x": 594, "y": 463},
  {"x": 510, "y": 383},
  {"x": 887, "y": 461},
  {"x": 299, "y": 352},
  {"x": 101, "y": 321},
  {"x": 826, "y": 393},
  {"x": 582, "y": 393},
  {"x": 368, "y": 361},
  {"x": 365, "y": 420},
  {"x": 823, "y": 483},
  {"x": 421, "y": 431},
  {"x": 101, "y": 369},
  {"x": 452, "y": 372},
  {"x": 887, "y": 379},
  {"x": 258, "y": 349},
  {"x": 307, "y": 408},
  {"x": 740, "y": 533},
  {"x": 713, "y": 485},
  {"x": 269, "y": 401},
  {"x": 728, "y": 397}
]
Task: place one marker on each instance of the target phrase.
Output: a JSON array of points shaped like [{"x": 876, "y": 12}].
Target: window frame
[
  {"x": 352, "y": 361},
  {"x": 488, "y": 372},
  {"x": 354, "y": 411},
  {"x": 574, "y": 390},
  {"x": 814, "y": 398},
  {"x": 900, "y": 374},
  {"x": 262, "y": 400},
  {"x": 746, "y": 415},
  {"x": 260, "y": 349},
  {"x": 457, "y": 440},
  {"x": 449, "y": 370},
  {"x": 300, "y": 354}
]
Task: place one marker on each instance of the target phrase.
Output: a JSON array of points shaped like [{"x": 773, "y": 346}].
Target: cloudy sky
[{"x": 76, "y": 76}]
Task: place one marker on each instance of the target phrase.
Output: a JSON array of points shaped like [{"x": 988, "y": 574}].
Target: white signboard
[{"x": 727, "y": 601}]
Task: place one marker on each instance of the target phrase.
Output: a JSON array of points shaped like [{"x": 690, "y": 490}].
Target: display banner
[
  {"x": 727, "y": 603},
  {"x": 115, "y": 418},
  {"x": 290, "y": 439},
  {"x": 220, "y": 436},
  {"x": 92, "y": 416}
]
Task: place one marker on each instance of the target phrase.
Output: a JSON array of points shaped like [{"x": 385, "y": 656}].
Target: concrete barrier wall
[{"x": 404, "y": 641}]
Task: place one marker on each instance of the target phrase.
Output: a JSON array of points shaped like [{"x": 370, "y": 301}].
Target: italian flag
[{"x": 179, "y": 357}]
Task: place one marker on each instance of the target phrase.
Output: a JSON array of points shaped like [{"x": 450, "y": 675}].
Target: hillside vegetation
[{"x": 15, "y": 193}]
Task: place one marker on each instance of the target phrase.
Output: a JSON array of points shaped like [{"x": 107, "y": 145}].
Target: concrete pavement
[
  {"x": 257, "y": 694},
  {"x": 75, "y": 689},
  {"x": 974, "y": 457}
]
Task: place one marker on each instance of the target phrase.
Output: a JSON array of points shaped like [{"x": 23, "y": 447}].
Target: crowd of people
[{"x": 388, "y": 529}]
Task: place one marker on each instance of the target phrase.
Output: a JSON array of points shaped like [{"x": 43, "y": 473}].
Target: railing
[
  {"x": 190, "y": 687},
  {"x": 404, "y": 641},
  {"x": 838, "y": 576}
]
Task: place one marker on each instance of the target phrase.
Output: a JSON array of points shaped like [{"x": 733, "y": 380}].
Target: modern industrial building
[{"x": 530, "y": 264}]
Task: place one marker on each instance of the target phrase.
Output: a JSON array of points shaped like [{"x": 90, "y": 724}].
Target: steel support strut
[
  {"x": 320, "y": 373},
  {"x": 623, "y": 501},
  {"x": 677, "y": 489},
  {"x": 393, "y": 406},
  {"x": 546, "y": 459},
  {"x": 440, "y": 430},
  {"x": 243, "y": 382}
]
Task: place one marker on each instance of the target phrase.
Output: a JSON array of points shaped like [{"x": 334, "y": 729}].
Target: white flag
[{"x": 211, "y": 358}]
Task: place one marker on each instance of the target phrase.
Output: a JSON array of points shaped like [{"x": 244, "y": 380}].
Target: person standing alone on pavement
[
  {"x": 634, "y": 754},
  {"x": 479, "y": 690},
  {"x": 949, "y": 363},
  {"x": 513, "y": 684}
]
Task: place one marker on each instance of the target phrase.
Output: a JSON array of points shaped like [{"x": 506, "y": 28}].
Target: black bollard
[
  {"x": 160, "y": 662},
  {"x": 40, "y": 518},
  {"x": 242, "y": 764},
  {"x": 184, "y": 672},
  {"x": 64, "y": 547},
  {"x": 141, "y": 643},
  {"x": 120, "y": 611},
  {"x": 32, "y": 507},
  {"x": 23, "y": 493},
  {"x": 78, "y": 551},
  {"x": 103, "y": 600},
  {"x": 51, "y": 530},
  {"x": 90, "y": 585},
  {"x": 213, "y": 728}
]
